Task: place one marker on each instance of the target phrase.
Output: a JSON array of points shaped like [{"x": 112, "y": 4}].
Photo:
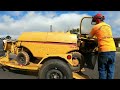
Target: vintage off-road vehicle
[{"x": 56, "y": 55}]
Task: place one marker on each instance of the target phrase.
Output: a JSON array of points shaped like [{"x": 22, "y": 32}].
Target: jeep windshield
[{"x": 85, "y": 25}]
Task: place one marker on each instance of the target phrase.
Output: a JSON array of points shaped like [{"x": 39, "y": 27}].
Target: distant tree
[
  {"x": 78, "y": 29},
  {"x": 74, "y": 31},
  {"x": 8, "y": 37}
]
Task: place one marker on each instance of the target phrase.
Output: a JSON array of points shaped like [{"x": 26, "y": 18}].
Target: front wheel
[
  {"x": 80, "y": 58},
  {"x": 23, "y": 58},
  {"x": 55, "y": 69}
]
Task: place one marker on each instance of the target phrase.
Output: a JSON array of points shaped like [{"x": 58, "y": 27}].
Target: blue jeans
[{"x": 106, "y": 65}]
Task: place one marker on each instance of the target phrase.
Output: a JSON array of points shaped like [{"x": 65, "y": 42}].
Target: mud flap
[
  {"x": 2, "y": 52},
  {"x": 90, "y": 60}
]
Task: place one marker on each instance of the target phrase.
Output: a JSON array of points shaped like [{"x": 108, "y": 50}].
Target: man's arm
[{"x": 91, "y": 34}]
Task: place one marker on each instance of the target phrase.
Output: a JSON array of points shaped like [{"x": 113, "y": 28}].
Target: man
[{"x": 106, "y": 47}]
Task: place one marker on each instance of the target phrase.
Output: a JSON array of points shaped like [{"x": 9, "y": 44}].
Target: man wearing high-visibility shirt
[{"x": 106, "y": 47}]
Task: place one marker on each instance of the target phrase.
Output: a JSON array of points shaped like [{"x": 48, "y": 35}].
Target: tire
[
  {"x": 23, "y": 58},
  {"x": 80, "y": 58},
  {"x": 55, "y": 69}
]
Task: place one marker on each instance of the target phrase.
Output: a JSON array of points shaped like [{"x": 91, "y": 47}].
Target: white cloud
[{"x": 39, "y": 22}]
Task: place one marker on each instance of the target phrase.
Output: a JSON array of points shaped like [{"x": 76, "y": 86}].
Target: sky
[{"x": 13, "y": 23}]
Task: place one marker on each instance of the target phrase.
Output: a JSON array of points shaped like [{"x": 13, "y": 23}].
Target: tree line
[{"x": 74, "y": 31}]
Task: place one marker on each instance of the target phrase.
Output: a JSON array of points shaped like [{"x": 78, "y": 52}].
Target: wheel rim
[
  {"x": 22, "y": 59},
  {"x": 54, "y": 74}
]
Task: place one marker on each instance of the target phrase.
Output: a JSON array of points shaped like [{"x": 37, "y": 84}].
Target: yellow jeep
[{"x": 56, "y": 55}]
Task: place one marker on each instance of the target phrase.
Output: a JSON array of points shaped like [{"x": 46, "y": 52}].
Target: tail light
[{"x": 69, "y": 56}]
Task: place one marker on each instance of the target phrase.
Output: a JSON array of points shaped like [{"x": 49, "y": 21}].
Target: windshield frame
[{"x": 82, "y": 22}]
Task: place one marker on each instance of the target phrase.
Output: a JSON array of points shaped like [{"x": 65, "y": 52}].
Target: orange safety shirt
[{"x": 103, "y": 33}]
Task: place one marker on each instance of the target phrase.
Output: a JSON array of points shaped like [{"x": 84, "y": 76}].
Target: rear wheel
[
  {"x": 23, "y": 58},
  {"x": 55, "y": 69}
]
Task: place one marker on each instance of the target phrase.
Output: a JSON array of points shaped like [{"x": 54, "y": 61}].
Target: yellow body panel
[
  {"x": 61, "y": 37},
  {"x": 48, "y": 36},
  {"x": 63, "y": 56},
  {"x": 44, "y": 43},
  {"x": 32, "y": 66},
  {"x": 39, "y": 49},
  {"x": 33, "y": 36},
  {"x": 13, "y": 63}
]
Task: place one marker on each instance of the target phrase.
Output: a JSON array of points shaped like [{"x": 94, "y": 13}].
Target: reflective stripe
[{"x": 106, "y": 37}]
